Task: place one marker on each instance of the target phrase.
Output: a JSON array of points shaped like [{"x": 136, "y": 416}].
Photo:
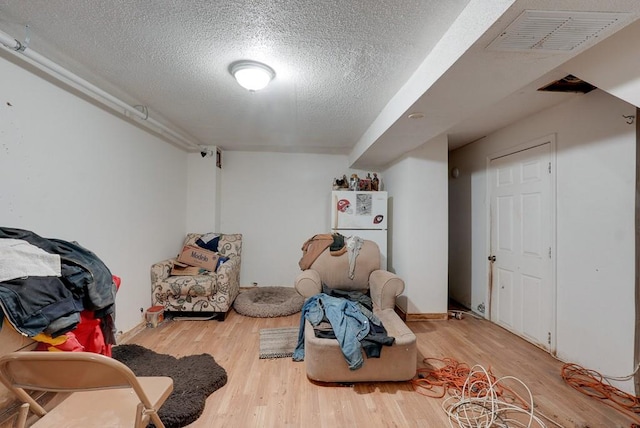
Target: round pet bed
[{"x": 268, "y": 302}]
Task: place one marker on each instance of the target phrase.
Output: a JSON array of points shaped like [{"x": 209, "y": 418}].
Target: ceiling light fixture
[
  {"x": 252, "y": 75},
  {"x": 416, "y": 115}
]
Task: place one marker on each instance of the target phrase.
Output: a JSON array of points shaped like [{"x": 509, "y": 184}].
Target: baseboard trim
[
  {"x": 428, "y": 317},
  {"x": 421, "y": 317}
]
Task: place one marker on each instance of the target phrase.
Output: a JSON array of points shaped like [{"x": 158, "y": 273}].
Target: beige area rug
[
  {"x": 278, "y": 342},
  {"x": 268, "y": 302}
]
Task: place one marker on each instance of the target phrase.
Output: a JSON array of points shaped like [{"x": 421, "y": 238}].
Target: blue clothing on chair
[{"x": 349, "y": 324}]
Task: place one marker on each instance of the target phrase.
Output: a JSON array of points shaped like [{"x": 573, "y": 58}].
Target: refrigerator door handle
[{"x": 334, "y": 209}]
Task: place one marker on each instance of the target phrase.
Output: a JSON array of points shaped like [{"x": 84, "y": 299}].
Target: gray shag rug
[
  {"x": 195, "y": 377},
  {"x": 268, "y": 302}
]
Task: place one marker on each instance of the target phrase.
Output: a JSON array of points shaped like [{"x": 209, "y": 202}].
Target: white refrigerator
[{"x": 362, "y": 214}]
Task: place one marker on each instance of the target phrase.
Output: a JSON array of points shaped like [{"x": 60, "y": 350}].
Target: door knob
[{"x": 492, "y": 258}]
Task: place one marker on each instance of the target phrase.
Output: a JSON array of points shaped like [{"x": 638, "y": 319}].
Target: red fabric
[
  {"x": 89, "y": 332},
  {"x": 90, "y": 335},
  {"x": 70, "y": 345},
  {"x": 87, "y": 336}
]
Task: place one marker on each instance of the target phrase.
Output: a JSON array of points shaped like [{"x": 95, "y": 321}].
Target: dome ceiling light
[{"x": 252, "y": 75}]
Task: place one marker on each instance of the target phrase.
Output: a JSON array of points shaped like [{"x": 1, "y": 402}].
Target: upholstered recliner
[
  {"x": 212, "y": 292},
  {"x": 323, "y": 357}
]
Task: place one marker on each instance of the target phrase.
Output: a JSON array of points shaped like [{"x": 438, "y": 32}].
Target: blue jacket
[
  {"x": 349, "y": 324},
  {"x": 39, "y": 304}
]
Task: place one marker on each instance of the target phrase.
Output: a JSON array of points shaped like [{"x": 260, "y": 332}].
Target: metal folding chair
[{"x": 104, "y": 392}]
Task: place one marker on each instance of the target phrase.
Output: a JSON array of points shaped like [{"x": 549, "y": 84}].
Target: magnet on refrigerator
[{"x": 362, "y": 214}]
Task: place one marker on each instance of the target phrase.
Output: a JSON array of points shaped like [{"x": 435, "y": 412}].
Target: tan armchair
[
  {"x": 212, "y": 292},
  {"x": 323, "y": 357}
]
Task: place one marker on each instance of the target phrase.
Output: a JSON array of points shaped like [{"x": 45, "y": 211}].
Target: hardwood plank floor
[{"x": 277, "y": 393}]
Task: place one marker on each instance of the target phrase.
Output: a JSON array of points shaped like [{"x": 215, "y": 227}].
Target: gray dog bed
[{"x": 268, "y": 302}]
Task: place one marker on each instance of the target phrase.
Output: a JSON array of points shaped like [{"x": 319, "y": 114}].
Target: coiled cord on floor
[
  {"x": 476, "y": 397},
  {"x": 596, "y": 385},
  {"x": 485, "y": 403},
  {"x": 436, "y": 383}
]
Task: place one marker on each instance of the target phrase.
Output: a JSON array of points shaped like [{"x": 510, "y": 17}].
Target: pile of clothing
[
  {"x": 348, "y": 317},
  {"x": 337, "y": 244},
  {"x": 48, "y": 287}
]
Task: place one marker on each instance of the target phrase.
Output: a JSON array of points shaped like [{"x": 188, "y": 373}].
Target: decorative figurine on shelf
[
  {"x": 365, "y": 183},
  {"x": 375, "y": 183},
  {"x": 340, "y": 183},
  {"x": 354, "y": 183}
]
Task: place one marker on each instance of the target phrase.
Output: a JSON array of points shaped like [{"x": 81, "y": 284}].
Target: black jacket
[{"x": 84, "y": 276}]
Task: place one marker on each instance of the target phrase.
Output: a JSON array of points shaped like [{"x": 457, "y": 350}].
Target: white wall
[
  {"x": 595, "y": 226},
  {"x": 73, "y": 171},
  {"x": 277, "y": 201},
  {"x": 417, "y": 185},
  {"x": 595, "y": 65},
  {"x": 203, "y": 193}
]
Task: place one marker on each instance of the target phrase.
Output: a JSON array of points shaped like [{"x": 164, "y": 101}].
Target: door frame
[
  {"x": 636, "y": 347},
  {"x": 547, "y": 139}
]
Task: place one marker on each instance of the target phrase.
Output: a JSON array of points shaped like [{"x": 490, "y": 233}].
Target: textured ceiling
[
  {"x": 347, "y": 71},
  {"x": 337, "y": 62}
]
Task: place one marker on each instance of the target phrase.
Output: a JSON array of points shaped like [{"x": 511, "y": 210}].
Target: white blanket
[
  {"x": 19, "y": 259},
  {"x": 354, "y": 243}
]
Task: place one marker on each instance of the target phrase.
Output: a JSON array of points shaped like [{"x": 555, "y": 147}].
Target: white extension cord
[{"x": 480, "y": 405}]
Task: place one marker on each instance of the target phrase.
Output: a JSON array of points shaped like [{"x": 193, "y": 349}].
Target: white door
[{"x": 522, "y": 287}]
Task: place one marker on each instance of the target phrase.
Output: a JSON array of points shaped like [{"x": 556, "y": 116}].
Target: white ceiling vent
[{"x": 557, "y": 31}]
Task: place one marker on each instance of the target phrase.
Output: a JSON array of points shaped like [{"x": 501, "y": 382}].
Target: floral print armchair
[{"x": 212, "y": 292}]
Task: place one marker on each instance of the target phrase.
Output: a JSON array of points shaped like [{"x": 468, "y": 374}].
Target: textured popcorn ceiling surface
[{"x": 347, "y": 72}]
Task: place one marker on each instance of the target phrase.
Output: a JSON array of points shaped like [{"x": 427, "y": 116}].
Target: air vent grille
[{"x": 556, "y": 31}]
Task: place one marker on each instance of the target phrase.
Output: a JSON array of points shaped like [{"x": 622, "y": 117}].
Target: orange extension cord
[
  {"x": 450, "y": 378},
  {"x": 593, "y": 384}
]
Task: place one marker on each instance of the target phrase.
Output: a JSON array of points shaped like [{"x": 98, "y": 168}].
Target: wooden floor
[{"x": 277, "y": 393}]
